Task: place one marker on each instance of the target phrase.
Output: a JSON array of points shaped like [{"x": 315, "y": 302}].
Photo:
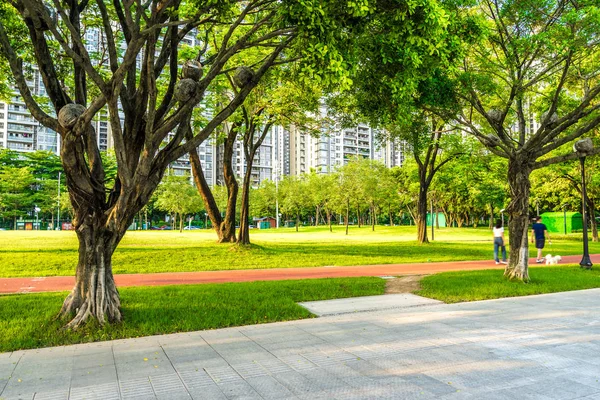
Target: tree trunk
[
  {"x": 244, "y": 232},
  {"x": 422, "y": 215},
  {"x": 372, "y": 218},
  {"x": 15, "y": 223},
  {"x": 329, "y": 220},
  {"x": 491, "y": 216},
  {"x": 591, "y": 209},
  {"x": 518, "y": 179},
  {"x": 180, "y": 223},
  {"x": 358, "y": 215},
  {"x": 347, "y": 216},
  {"x": 390, "y": 214},
  {"x": 224, "y": 227},
  {"x": 317, "y": 216},
  {"x": 297, "y": 220},
  {"x": 95, "y": 294},
  {"x": 594, "y": 225}
]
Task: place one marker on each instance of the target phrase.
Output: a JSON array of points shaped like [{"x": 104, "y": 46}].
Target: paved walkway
[
  {"x": 538, "y": 347},
  {"x": 59, "y": 283}
]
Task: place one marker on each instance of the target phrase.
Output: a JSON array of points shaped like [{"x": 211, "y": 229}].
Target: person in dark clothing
[{"x": 539, "y": 232}]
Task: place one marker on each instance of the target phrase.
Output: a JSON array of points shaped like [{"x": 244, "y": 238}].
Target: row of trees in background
[
  {"x": 469, "y": 191},
  {"x": 28, "y": 182}
]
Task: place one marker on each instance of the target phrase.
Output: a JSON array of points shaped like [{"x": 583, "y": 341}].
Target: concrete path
[
  {"x": 367, "y": 303},
  {"x": 60, "y": 283},
  {"x": 538, "y": 347}
]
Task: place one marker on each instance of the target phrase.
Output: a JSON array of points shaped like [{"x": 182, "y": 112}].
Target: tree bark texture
[
  {"x": 519, "y": 169},
  {"x": 347, "y": 216},
  {"x": 422, "y": 215},
  {"x": 250, "y": 148},
  {"x": 594, "y": 224},
  {"x": 95, "y": 294},
  {"x": 373, "y": 217},
  {"x": 224, "y": 227},
  {"x": 244, "y": 232}
]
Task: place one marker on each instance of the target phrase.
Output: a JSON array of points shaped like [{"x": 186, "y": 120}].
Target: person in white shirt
[{"x": 499, "y": 242}]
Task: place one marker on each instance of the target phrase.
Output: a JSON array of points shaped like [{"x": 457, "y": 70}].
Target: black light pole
[{"x": 583, "y": 147}]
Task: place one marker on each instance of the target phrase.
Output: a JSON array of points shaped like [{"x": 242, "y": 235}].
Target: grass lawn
[
  {"x": 27, "y": 321},
  {"x": 454, "y": 287},
  {"x": 51, "y": 253}
]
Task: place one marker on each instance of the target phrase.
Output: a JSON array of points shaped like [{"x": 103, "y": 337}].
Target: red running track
[{"x": 61, "y": 283}]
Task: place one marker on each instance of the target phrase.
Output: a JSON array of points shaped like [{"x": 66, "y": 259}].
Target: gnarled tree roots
[
  {"x": 101, "y": 303},
  {"x": 517, "y": 274}
]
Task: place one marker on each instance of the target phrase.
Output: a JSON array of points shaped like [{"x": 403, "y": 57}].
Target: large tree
[
  {"x": 136, "y": 76},
  {"x": 278, "y": 100},
  {"x": 531, "y": 87},
  {"x": 399, "y": 83}
]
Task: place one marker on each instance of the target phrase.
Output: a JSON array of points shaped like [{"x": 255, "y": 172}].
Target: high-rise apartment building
[{"x": 18, "y": 129}]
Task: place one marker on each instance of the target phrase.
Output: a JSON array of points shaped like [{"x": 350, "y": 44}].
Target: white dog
[{"x": 552, "y": 260}]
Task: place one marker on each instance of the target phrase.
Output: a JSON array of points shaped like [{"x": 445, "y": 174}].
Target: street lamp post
[
  {"x": 277, "y": 195},
  {"x": 583, "y": 148},
  {"x": 58, "y": 206},
  {"x": 37, "y": 224}
]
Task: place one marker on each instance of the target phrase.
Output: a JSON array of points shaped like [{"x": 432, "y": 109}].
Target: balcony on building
[{"x": 18, "y": 108}]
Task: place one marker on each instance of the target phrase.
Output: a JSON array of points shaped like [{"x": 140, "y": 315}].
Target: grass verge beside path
[
  {"x": 27, "y": 321},
  {"x": 454, "y": 287}
]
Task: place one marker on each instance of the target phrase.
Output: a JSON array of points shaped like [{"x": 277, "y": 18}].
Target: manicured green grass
[
  {"x": 51, "y": 253},
  {"x": 28, "y": 321},
  {"x": 454, "y": 287}
]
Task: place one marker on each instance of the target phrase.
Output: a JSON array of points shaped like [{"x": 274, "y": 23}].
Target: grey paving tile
[
  {"x": 239, "y": 391},
  {"x": 207, "y": 393},
  {"x": 136, "y": 389},
  {"x": 94, "y": 376},
  {"x": 52, "y": 395},
  {"x": 269, "y": 388},
  {"x": 169, "y": 387},
  {"x": 107, "y": 391}
]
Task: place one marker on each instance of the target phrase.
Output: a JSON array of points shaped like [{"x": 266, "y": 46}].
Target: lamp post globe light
[{"x": 583, "y": 148}]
